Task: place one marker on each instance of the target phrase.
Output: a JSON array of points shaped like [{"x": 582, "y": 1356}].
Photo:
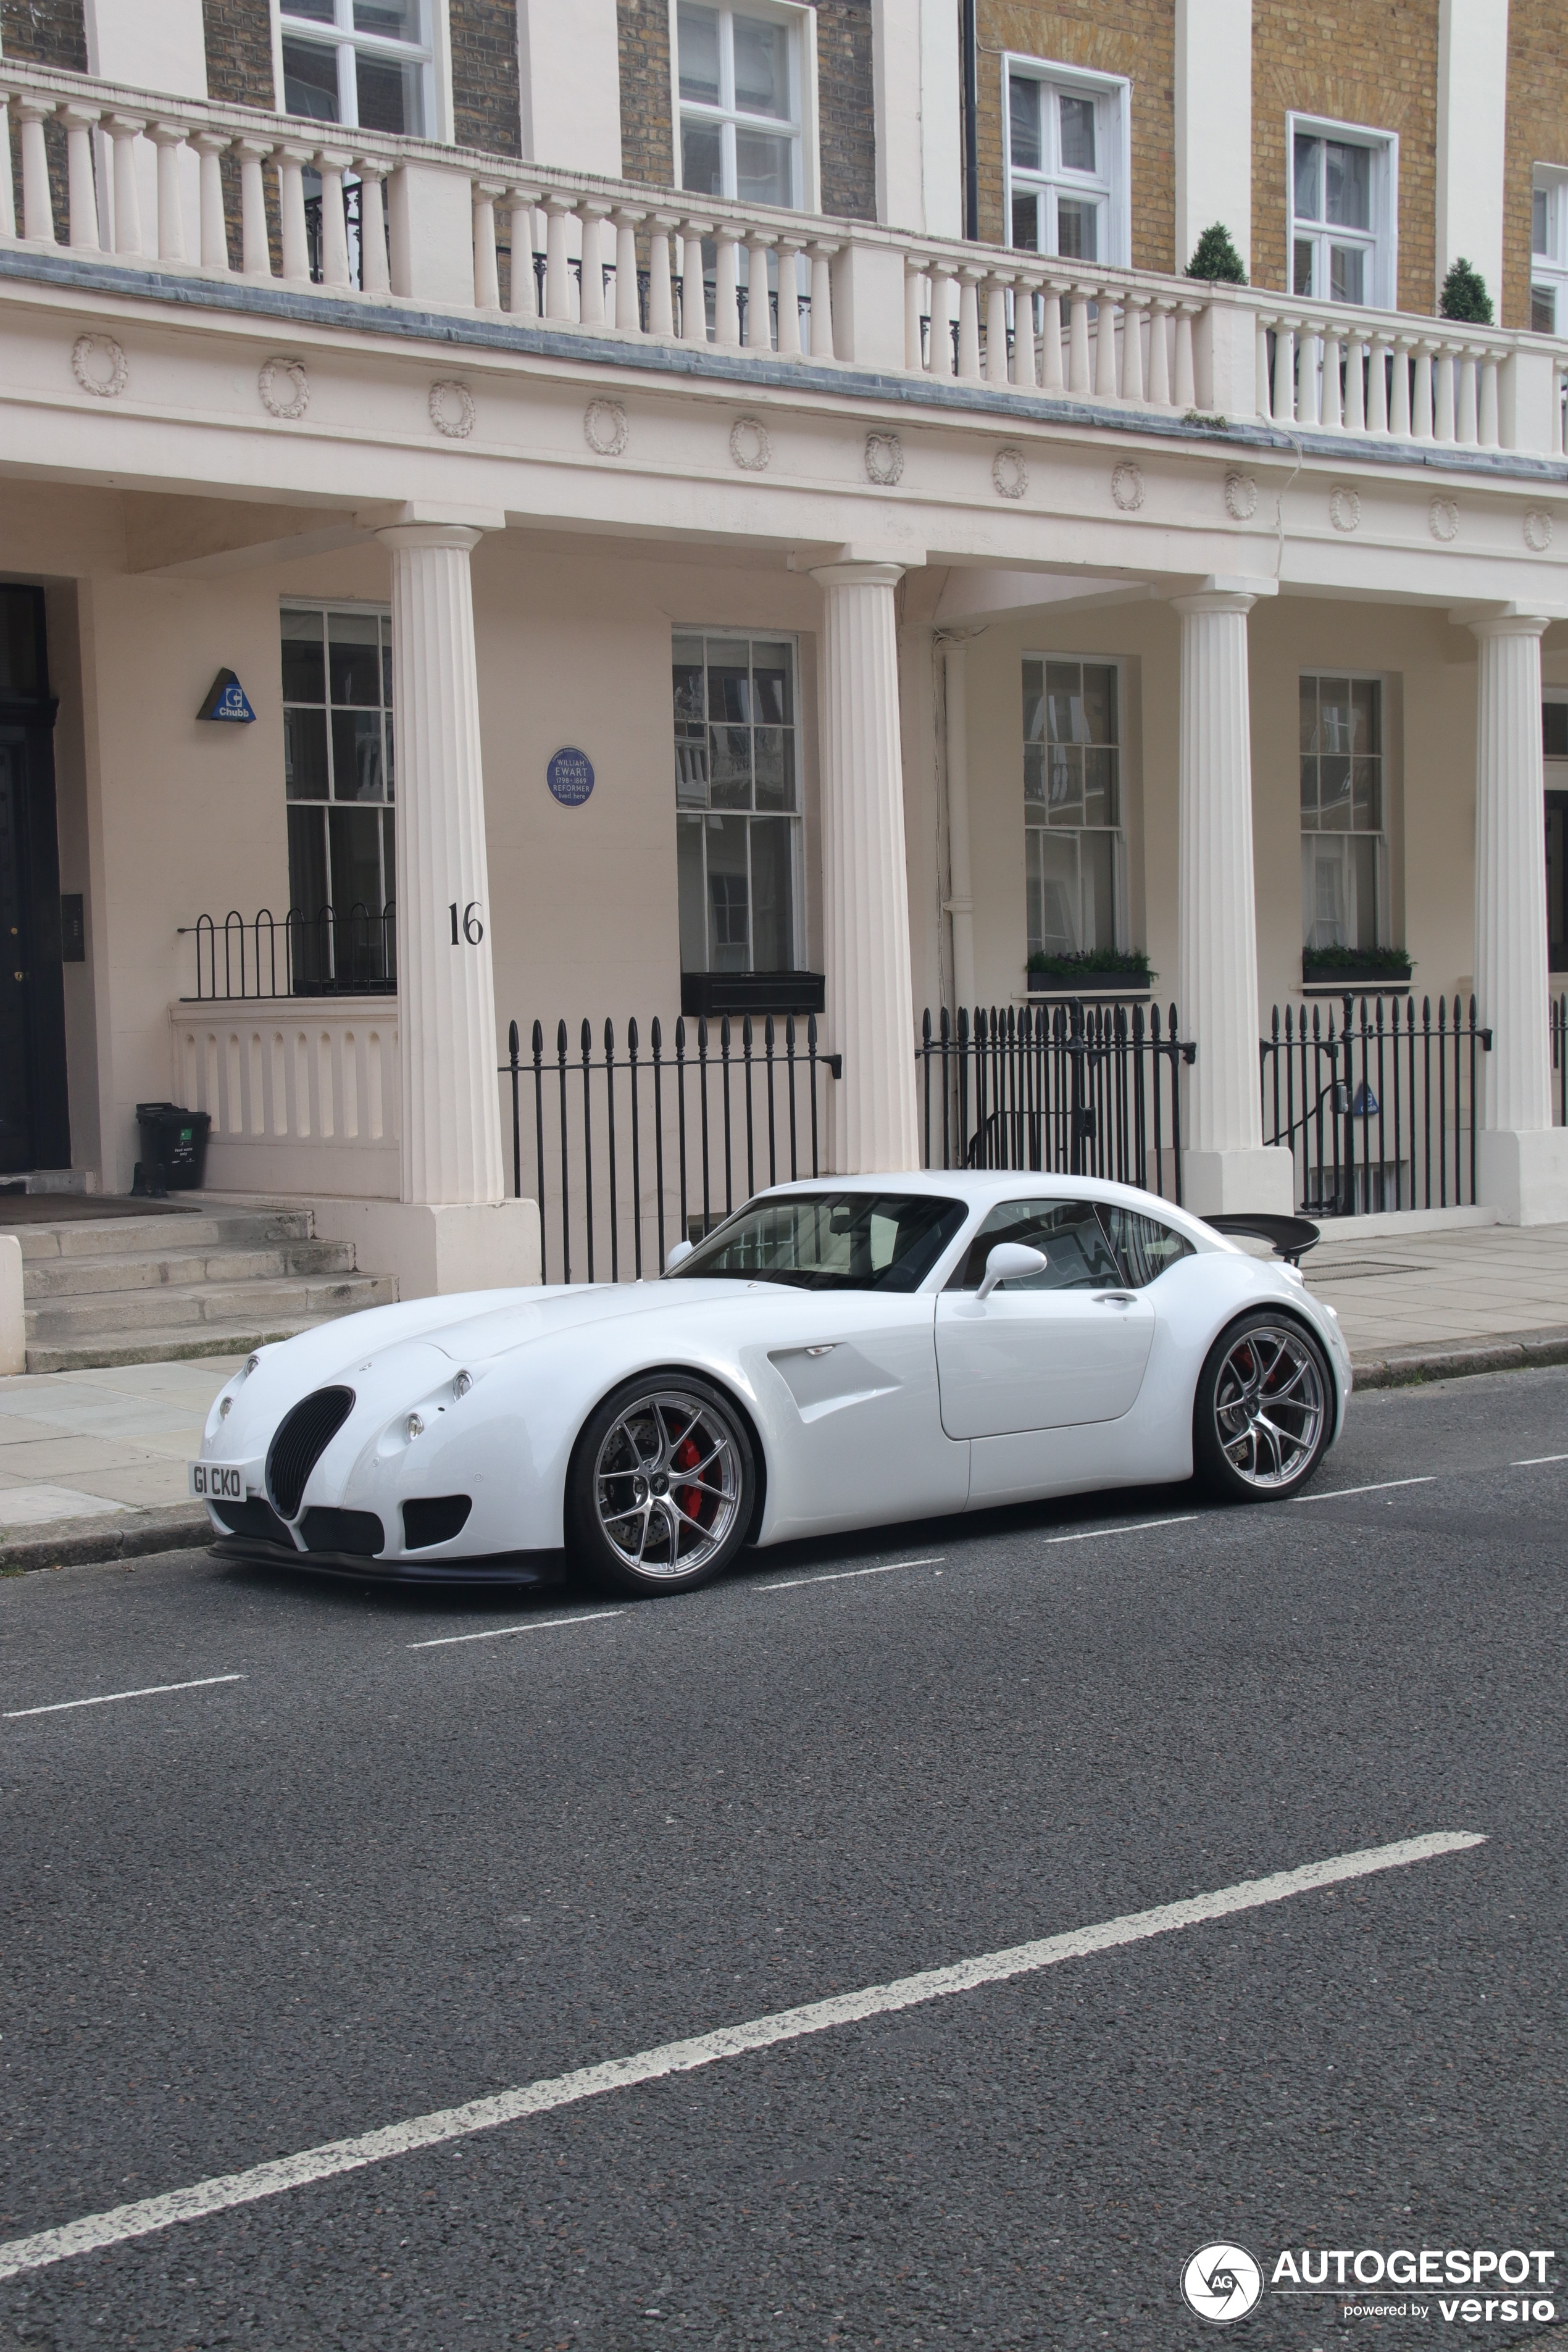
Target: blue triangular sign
[
  {"x": 226, "y": 700},
  {"x": 1365, "y": 1103}
]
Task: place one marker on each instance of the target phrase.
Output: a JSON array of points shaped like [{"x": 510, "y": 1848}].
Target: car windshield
[{"x": 831, "y": 1241}]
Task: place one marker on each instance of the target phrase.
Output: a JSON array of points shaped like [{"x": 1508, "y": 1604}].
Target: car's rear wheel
[
  {"x": 661, "y": 1487},
  {"x": 1264, "y": 1412}
]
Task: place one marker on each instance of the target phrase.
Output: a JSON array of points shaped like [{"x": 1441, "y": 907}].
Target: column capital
[
  {"x": 858, "y": 575},
  {"x": 1221, "y": 594},
  {"x": 1504, "y": 619},
  {"x": 430, "y": 522}
]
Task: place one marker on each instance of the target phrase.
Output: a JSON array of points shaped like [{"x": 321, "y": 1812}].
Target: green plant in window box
[
  {"x": 1355, "y": 964},
  {"x": 1092, "y": 968},
  {"x": 1216, "y": 259}
]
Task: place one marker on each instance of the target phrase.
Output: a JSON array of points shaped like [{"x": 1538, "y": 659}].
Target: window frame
[
  {"x": 794, "y": 817},
  {"x": 1112, "y": 97},
  {"x": 369, "y": 608},
  {"x": 800, "y": 22},
  {"x": 1120, "y": 891},
  {"x": 1382, "y": 239},
  {"x": 1550, "y": 270},
  {"x": 437, "y": 65},
  {"x": 1383, "y": 921}
]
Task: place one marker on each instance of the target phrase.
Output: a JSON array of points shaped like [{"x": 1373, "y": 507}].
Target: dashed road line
[
  {"x": 498, "y": 1633},
  {"x": 109, "y": 1698},
  {"x": 1381, "y": 1487},
  {"x": 838, "y": 1575}
]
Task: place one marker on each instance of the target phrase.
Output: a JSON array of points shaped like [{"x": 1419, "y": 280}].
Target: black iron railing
[
  {"x": 1379, "y": 1107},
  {"x": 629, "y": 1150},
  {"x": 1079, "y": 1089},
  {"x": 325, "y": 954},
  {"x": 1559, "y": 1020}
]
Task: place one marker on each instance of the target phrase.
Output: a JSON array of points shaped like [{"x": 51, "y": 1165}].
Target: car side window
[
  {"x": 1078, "y": 1256},
  {"x": 1144, "y": 1245}
]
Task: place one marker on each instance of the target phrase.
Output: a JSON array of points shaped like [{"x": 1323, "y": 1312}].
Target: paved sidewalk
[{"x": 92, "y": 1463}]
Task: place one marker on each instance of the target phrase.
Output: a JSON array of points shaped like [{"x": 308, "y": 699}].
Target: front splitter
[{"x": 513, "y": 1568}]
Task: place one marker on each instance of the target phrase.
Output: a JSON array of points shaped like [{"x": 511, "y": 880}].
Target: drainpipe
[
  {"x": 959, "y": 903},
  {"x": 970, "y": 121}
]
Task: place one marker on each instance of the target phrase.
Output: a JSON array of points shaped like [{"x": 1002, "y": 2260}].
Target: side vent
[
  {"x": 434, "y": 1520},
  {"x": 303, "y": 1436}
]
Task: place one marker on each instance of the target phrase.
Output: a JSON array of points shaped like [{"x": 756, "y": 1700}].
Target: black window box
[{"x": 716, "y": 993}]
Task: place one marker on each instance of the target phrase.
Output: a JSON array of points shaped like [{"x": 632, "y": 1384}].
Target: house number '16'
[{"x": 473, "y": 927}]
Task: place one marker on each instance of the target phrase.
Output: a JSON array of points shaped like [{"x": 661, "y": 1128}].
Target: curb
[
  {"x": 1402, "y": 1367},
  {"x": 79, "y": 1543}
]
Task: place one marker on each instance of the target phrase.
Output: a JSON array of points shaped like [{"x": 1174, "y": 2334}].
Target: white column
[
  {"x": 1522, "y": 1159},
  {"x": 871, "y": 1001},
  {"x": 1224, "y": 1165},
  {"x": 1472, "y": 138},
  {"x": 959, "y": 899},
  {"x": 1214, "y": 124}
]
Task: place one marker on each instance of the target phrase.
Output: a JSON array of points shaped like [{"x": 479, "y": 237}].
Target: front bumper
[{"x": 520, "y": 1568}]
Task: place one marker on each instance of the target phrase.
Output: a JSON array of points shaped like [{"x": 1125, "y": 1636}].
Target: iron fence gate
[
  {"x": 1378, "y": 1111},
  {"x": 1069, "y": 1088}
]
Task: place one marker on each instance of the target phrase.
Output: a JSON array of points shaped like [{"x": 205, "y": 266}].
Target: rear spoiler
[{"x": 1289, "y": 1237}]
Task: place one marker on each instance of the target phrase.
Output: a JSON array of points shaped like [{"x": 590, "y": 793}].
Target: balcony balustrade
[{"x": 375, "y": 220}]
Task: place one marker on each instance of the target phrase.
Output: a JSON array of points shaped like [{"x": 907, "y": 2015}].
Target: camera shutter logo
[{"x": 1222, "y": 2284}]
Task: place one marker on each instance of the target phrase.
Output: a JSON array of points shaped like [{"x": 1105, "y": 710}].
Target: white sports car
[{"x": 838, "y": 1354}]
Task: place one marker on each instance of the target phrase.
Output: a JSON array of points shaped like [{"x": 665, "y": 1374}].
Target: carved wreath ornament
[
  {"x": 1240, "y": 496},
  {"x": 98, "y": 365},
  {"x": 1009, "y": 473},
  {"x": 1538, "y": 530},
  {"x": 452, "y": 408},
  {"x": 604, "y": 427},
  {"x": 750, "y": 446},
  {"x": 1443, "y": 520},
  {"x": 1127, "y": 487},
  {"x": 285, "y": 388},
  {"x": 884, "y": 459},
  {"x": 1345, "y": 508}
]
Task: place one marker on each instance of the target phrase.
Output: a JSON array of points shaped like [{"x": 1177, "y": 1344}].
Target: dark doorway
[
  {"x": 34, "y": 1125},
  {"x": 1557, "y": 881}
]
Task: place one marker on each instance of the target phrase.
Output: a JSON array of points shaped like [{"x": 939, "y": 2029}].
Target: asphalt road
[{"x": 374, "y": 1879}]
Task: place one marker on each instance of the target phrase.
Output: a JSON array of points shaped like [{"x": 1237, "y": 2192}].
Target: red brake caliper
[{"x": 689, "y": 1498}]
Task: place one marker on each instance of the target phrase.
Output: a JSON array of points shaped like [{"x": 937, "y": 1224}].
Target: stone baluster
[
  {"x": 1159, "y": 355},
  {"x": 210, "y": 147},
  {"x": 1523, "y": 1168},
  {"x": 331, "y": 162},
  {"x": 1185, "y": 390},
  {"x": 375, "y": 262},
  {"x": 523, "y": 291},
  {"x": 628, "y": 308},
  {"x": 1132, "y": 310},
  {"x": 557, "y": 269},
  {"x": 1026, "y": 371},
  {"x": 37, "y": 205},
  {"x": 693, "y": 289},
  {"x": 1309, "y": 355},
  {"x": 1105, "y": 370},
  {"x": 865, "y": 876},
  {"x": 1355, "y": 384},
  {"x": 124, "y": 129},
  {"x": 660, "y": 297},
  {"x": 255, "y": 250},
  {"x": 914, "y": 356},
  {"x": 1467, "y": 423},
  {"x": 939, "y": 346},
  {"x": 1079, "y": 381},
  {"x": 1442, "y": 393},
  {"x": 726, "y": 304},
  {"x": 1331, "y": 398},
  {"x": 1051, "y": 376},
  {"x": 1263, "y": 395},
  {"x": 7, "y": 187},
  {"x": 759, "y": 307},
  {"x": 1284, "y": 404},
  {"x": 1421, "y": 406},
  {"x": 1226, "y": 1166},
  {"x": 822, "y": 343},
  {"x": 487, "y": 265},
  {"x": 996, "y": 285},
  {"x": 81, "y": 187},
  {"x": 969, "y": 277},
  {"x": 790, "y": 250},
  {"x": 452, "y": 1121},
  {"x": 1377, "y": 377},
  {"x": 592, "y": 214},
  {"x": 168, "y": 139},
  {"x": 290, "y": 162},
  {"x": 1486, "y": 419},
  {"x": 1399, "y": 403}
]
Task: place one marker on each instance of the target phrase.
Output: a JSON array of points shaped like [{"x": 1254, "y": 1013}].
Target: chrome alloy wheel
[
  {"x": 1268, "y": 1405},
  {"x": 666, "y": 1484}
]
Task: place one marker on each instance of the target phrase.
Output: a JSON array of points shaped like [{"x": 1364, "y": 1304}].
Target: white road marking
[
  {"x": 228, "y": 2189},
  {"x": 1139, "y": 1526},
  {"x": 1381, "y": 1488},
  {"x": 496, "y": 1633},
  {"x": 1534, "y": 1461},
  {"x": 837, "y": 1575},
  {"x": 154, "y": 1690}
]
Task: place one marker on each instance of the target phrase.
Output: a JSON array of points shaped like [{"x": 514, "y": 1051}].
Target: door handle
[{"x": 1113, "y": 1299}]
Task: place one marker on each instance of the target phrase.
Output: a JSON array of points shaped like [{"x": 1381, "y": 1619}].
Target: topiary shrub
[
  {"x": 1464, "y": 296},
  {"x": 1216, "y": 259}
]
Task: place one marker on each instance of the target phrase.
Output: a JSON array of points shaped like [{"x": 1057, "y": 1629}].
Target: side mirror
[
  {"x": 680, "y": 1253},
  {"x": 1011, "y": 1261}
]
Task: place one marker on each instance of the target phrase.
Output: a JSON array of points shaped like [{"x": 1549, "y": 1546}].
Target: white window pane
[
  {"x": 688, "y": 834},
  {"x": 310, "y": 80},
  {"x": 391, "y": 97},
  {"x": 773, "y": 667},
  {"x": 763, "y": 173},
  {"x": 1347, "y": 273},
  {"x": 1348, "y": 175},
  {"x": 1363, "y": 866},
  {"x": 1053, "y": 893},
  {"x": 1078, "y": 229},
  {"x": 394, "y": 20},
  {"x": 1309, "y": 160},
  {"x": 762, "y": 67},
  {"x": 1077, "y": 118},
  {"x": 1099, "y": 890},
  {"x": 772, "y": 894},
  {"x": 1302, "y": 277},
  {"x": 1026, "y": 221},
  {"x": 1538, "y": 243},
  {"x": 728, "y": 894},
  {"x": 697, "y": 31},
  {"x": 320, "y": 12},
  {"x": 1544, "y": 309},
  {"x": 702, "y": 158},
  {"x": 1329, "y": 927},
  {"x": 1023, "y": 123}
]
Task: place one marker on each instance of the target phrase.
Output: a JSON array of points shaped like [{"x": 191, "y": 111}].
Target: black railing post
[
  {"x": 539, "y": 1136},
  {"x": 637, "y": 1153},
  {"x": 610, "y": 1124},
  {"x": 566, "y": 1184},
  {"x": 513, "y": 1044}
]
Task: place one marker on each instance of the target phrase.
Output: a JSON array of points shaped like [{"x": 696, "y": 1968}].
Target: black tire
[
  {"x": 1264, "y": 1412},
  {"x": 635, "y": 1524}
]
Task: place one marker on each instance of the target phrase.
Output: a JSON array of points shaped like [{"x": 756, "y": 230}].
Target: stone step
[
  {"x": 189, "y": 1306},
  {"x": 162, "y": 1346},
  {"x": 50, "y": 1278},
  {"x": 190, "y": 1229}
]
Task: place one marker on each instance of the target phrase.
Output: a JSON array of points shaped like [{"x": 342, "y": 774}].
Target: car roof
[{"x": 981, "y": 1187}]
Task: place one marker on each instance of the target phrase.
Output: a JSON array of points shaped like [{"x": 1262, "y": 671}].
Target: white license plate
[{"x": 218, "y": 1482}]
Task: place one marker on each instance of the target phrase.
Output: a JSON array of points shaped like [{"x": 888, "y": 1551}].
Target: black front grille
[
  {"x": 303, "y": 1436},
  {"x": 359, "y": 1532},
  {"x": 257, "y": 1519},
  {"x": 434, "y": 1520}
]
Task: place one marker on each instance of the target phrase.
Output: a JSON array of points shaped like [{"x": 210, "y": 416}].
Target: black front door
[
  {"x": 35, "y": 1128},
  {"x": 1557, "y": 881}
]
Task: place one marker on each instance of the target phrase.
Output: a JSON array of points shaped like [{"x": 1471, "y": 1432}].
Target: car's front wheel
[
  {"x": 1264, "y": 1412},
  {"x": 660, "y": 1490}
]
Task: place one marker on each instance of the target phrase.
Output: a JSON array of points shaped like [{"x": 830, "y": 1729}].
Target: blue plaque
[{"x": 570, "y": 776}]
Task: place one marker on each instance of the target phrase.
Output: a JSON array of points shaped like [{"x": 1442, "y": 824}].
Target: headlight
[
  {"x": 226, "y": 1407},
  {"x": 462, "y": 1384},
  {"x": 250, "y": 1364},
  {"x": 414, "y": 1426}
]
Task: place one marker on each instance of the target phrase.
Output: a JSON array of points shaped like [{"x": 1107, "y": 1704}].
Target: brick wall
[
  {"x": 1352, "y": 63},
  {"x": 845, "y": 109},
  {"x": 1537, "y": 133},
  {"x": 1134, "y": 38},
  {"x": 486, "y": 105},
  {"x": 239, "y": 35}
]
